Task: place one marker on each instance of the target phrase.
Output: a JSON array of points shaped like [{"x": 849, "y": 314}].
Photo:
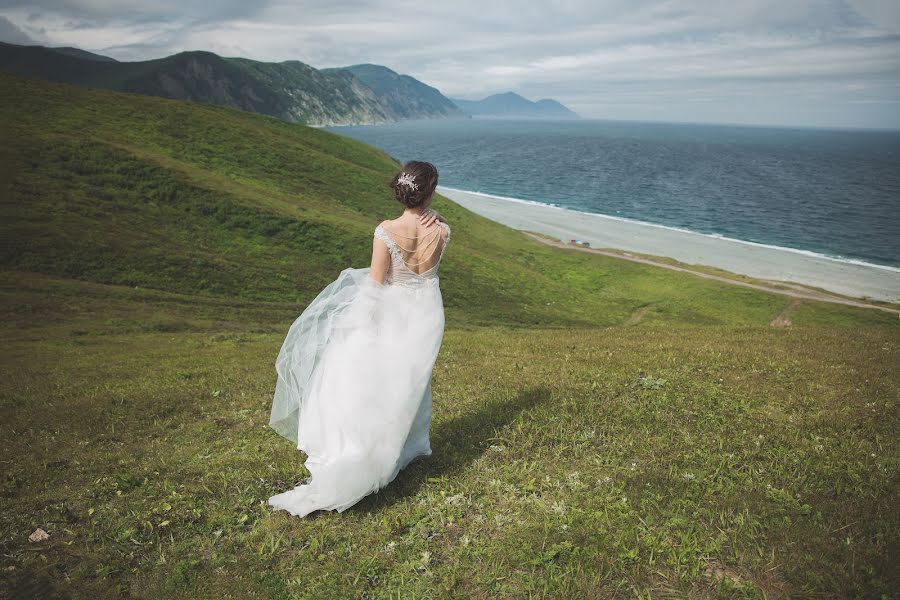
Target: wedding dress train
[{"x": 354, "y": 379}]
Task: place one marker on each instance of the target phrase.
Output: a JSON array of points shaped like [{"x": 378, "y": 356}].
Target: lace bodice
[{"x": 399, "y": 271}]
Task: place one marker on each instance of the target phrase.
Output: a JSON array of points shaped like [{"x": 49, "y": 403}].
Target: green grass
[
  {"x": 601, "y": 428},
  {"x": 598, "y": 463}
]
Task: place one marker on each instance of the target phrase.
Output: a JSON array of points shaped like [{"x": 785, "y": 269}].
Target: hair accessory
[{"x": 407, "y": 179}]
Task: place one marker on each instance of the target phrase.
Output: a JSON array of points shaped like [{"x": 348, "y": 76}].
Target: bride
[{"x": 354, "y": 373}]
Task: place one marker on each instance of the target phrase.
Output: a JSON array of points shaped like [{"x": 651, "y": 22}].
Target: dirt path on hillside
[
  {"x": 783, "y": 319},
  {"x": 794, "y": 291}
]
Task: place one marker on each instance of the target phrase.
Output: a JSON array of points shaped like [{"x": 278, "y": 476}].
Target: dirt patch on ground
[
  {"x": 783, "y": 318},
  {"x": 636, "y": 316},
  {"x": 769, "y": 583}
]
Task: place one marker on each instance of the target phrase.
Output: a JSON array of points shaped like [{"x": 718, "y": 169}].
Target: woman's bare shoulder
[
  {"x": 390, "y": 225},
  {"x": 411, "y": 229}
]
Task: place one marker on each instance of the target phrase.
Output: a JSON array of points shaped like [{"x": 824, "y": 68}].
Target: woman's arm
[{"x": 381, "y": 260}]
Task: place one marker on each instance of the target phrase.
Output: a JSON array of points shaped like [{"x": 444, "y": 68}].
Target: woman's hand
[{"x": 429, "y": 216}]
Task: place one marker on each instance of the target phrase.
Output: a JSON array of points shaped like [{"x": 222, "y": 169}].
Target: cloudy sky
[{"x": 786, "y": 62}]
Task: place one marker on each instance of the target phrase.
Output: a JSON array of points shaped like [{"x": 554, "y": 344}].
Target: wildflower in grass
[
  {"x": 604, "y": 480},
  {"x": 454, "y": 499},
  {"x": 559, "y": 507},
  {"x": 498, "y": 447},
  {"x": 390, "y": 546},
  {"x": 688, "y": 476},
  {"x": 465, "y": 541},
  {"x": 501, "y": 519}
]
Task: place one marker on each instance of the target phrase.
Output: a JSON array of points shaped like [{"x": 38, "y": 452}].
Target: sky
[{"x": 819, "y": 63}]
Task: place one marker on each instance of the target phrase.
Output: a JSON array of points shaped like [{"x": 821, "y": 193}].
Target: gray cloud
[
  {"x": 102, "y": 11},
  {"x": 11, "y": 33},
  {"x": 811, "y": 62}
]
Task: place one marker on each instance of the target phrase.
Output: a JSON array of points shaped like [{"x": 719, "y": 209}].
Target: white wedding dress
[{"x": 354, "y": 376}]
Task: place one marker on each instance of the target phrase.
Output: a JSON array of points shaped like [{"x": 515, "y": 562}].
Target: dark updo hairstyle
[{"x": 424, "y": 175}]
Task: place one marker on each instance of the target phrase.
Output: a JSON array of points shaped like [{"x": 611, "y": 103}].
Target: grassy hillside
[
  {"x": 601, "y": 428},
  {"x": 171, "y": 196}
]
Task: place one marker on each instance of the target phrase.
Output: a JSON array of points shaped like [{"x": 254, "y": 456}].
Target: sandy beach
[{"x": 746, "y": 258}]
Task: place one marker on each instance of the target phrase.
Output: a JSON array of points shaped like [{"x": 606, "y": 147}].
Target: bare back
[{"x": 415, "y": 250}]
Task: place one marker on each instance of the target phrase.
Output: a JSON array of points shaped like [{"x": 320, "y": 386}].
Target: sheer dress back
[{"x": 414, "y": 260}]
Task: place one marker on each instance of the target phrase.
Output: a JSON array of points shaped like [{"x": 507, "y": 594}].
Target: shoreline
[{"x": 848, "y": 277}]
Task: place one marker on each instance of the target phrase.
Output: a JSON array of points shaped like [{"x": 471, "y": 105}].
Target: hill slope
[{"x": 208, "y": 202}]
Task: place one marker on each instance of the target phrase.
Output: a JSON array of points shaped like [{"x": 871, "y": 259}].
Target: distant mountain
[
  {"x": 79, "y": 53},
  {"x": 289, "y": 90},
  {"x": 405, "y": 96},
  {"x": 511, "y": 104}
]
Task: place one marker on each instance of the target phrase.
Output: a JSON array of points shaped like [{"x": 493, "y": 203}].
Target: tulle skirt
[{"x": 354, "y": 387}]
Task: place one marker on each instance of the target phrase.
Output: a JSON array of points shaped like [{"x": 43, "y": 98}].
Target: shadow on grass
[{"x": 454, "y": 444}]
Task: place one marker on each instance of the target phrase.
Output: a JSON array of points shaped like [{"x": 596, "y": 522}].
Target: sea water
[{"x": 834, "y": 192}]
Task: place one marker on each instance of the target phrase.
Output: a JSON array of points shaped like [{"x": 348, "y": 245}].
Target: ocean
[{"x": 830, "y": 192}]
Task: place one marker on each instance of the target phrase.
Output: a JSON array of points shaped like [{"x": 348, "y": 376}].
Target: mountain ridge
[
  {"x": 289, "y": 90},
  {"x": 358, "y": 94}
]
